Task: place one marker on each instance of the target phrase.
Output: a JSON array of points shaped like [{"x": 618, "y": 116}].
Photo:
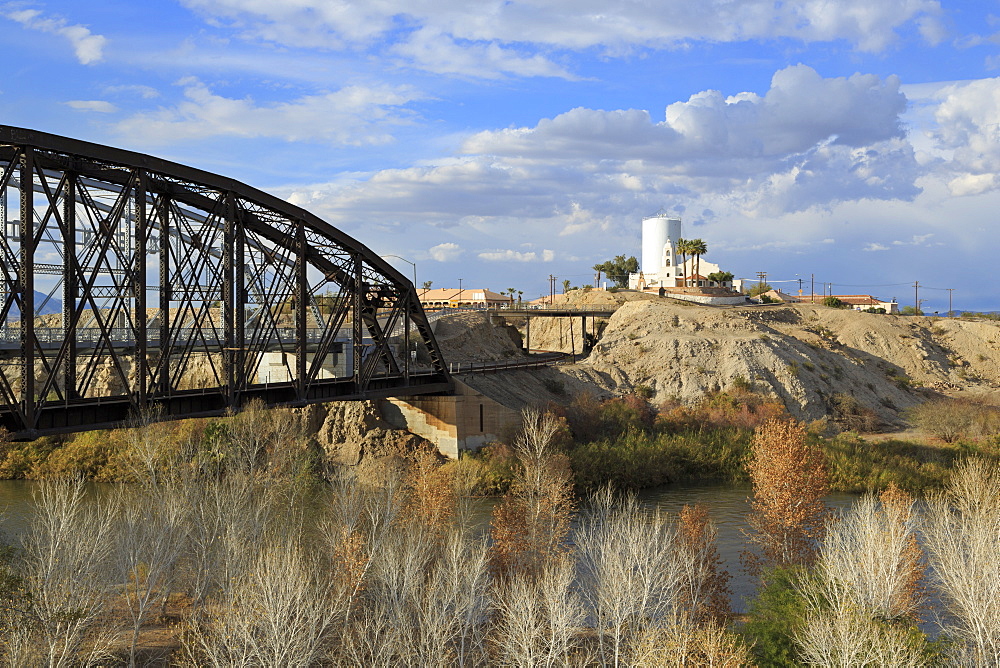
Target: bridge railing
[
  {"x": 125, "y": 335},
  {"x": 549, "y": 359}
]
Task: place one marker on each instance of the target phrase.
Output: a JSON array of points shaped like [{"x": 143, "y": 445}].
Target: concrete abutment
[{"x": 465, "y": 420}]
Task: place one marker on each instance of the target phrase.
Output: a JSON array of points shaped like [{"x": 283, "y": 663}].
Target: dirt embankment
[
  {"x": 475, "y": 336},
  {"x": 808, "y": 356},
  {"x": 355, "y": 434}
]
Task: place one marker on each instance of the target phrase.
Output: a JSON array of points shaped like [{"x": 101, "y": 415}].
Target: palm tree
[
  {"x": 684, "y": 247},
  {"x": 721, "y": 277},
  {"x": 697, "y": 248}
]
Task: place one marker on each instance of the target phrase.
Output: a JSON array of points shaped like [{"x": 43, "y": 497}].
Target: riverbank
[{"x": 626, "y": 442}]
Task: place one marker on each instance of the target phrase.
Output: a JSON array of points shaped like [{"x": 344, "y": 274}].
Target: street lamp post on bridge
[{"x": 412, "y": 264}]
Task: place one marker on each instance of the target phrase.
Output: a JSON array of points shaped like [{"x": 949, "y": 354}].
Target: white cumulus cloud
[
  {"x": 88, "y": 47},
  {"x": 516, "y": 256},
  {"x": 354, "y": 115},
  {"x": 445, "y": 252}
]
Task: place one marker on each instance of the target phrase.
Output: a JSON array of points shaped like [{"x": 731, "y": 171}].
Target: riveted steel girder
[{"x": 129, "y": 283}]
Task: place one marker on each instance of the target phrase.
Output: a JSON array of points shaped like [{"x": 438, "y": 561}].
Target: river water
[
  {"x": 726, "y": 505},
  {"x": 728, "y": 508}
]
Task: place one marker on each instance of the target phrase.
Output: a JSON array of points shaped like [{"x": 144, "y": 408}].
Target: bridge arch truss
[{"x": 156, "y": 286}]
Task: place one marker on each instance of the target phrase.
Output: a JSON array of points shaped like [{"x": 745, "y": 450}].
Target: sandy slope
[{"x": 803, "y": 354}]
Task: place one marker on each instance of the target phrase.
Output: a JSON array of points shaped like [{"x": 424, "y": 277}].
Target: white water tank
[{"x": 656, "y": 232}]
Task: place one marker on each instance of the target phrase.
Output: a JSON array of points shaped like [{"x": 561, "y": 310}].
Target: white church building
[{"x": 661, "y": 265}]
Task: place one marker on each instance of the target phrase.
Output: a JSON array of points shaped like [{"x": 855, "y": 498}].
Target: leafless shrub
[
  {"x": 225, "y": 516},
  {"x": 148, "y": 540},
  {"x": 872, "y": 550},
  {"x": 67, "y": 574},
  {"x": 840, "y": 632},
  {"x": 144, "y": 439},
  {"x": 685, "y": 644},
  {"x": 955, "y": 419},
  {"x": 406, "y": 591},
  {"x": 259, "y": 436},
  {"x": 631, "y": 572},
  {"x": 960, "y": 533},
  {"x": 461, "y": 586},
  {"x": 862, "y": 598},
  {"x": 539, "y": 617},
  {"x": 530, "y": 525},
  {"x": 275, "y": 614}
]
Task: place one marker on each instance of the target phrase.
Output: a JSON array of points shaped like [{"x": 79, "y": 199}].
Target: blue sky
[{"x": 500, "y": 142}]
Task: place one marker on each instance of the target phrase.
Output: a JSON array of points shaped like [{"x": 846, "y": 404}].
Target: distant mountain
[{"x": 52, "y": 306}]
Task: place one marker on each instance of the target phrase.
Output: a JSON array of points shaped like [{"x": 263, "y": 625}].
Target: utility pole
[
  {"x": 460, "y": 292},
  {"x": 916, "y": 297},
  {"x": 812, "y": 287},
  {"x": 552, "y": 289},
  {"x": 951, "y": 313},
  {"x": 761, "y": 280}
]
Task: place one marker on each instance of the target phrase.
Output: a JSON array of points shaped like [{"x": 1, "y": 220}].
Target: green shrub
[
  {"x": 833, "y": 302},
  {"x": 644, "y": 391},
  {"x": 858, "y": 465},
  {"x": 774, "y": 615}
]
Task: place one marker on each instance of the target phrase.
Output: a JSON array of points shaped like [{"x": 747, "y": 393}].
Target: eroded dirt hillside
[
  {"x": 804, "y": 354},
  {"x": 809, "y": 356},
  {"x": 472, "y": 337}
]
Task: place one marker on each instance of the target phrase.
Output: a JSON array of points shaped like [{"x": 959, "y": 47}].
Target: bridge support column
[
  {"x": 139, "y": 289},
  {"x": 465, "y": 420},
  {"x": 71, "y": 291},
  {"x": 27, "y": 286}
]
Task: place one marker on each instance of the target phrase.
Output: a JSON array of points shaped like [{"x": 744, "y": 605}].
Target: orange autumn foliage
[
  {"x": 789, "y": 478},
  {"x": 708, "y": 589}
]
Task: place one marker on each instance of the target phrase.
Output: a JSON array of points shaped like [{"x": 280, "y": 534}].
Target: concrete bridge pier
[{"x": 465, "y": 420}]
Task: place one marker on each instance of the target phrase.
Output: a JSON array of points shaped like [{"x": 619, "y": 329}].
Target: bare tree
[
  {"x": 275, "y": 614},
  {"x": 257, "y": 434},
  {"x": 632, "y": 573},
  {"x": 226, "y": 515},
  {"x": 862, "y": 598},
  {"x": 149, "y": 537},
  {"x": 66, "y": 571},
  {"x": 539, "y": 617},
  {"x": 960, "y": 534},
  {"x": 530, "y": 525}
]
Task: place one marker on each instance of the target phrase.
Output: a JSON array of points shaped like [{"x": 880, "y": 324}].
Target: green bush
[
  {"x": 833, "y": 302},
  {"x": 774, "y": 615},
  {"x": 637, "y": 459},
  {"x": 857, "y": 465}
]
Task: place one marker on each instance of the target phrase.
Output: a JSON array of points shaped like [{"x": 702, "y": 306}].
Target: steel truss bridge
[{"x": 134, "y": 284}]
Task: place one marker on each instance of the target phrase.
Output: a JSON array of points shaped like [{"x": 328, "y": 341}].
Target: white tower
[{"x": 659, "y": 243}]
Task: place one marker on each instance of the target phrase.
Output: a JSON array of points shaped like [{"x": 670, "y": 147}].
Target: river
[{"x": 726, "y": 505}]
